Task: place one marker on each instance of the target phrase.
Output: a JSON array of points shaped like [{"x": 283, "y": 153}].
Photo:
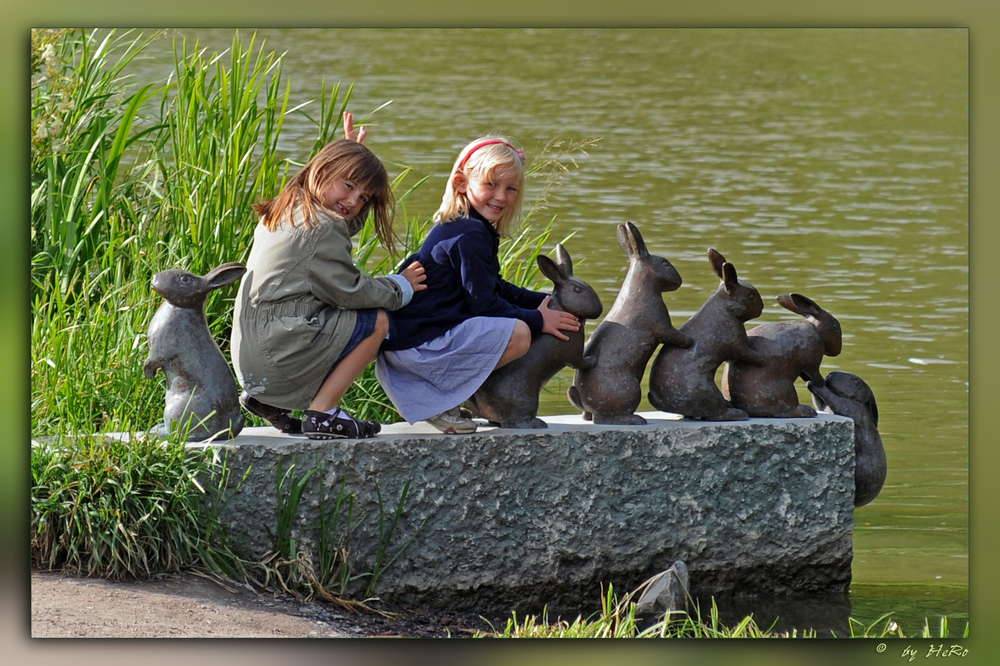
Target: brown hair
[{"x": 341, "y": 159}]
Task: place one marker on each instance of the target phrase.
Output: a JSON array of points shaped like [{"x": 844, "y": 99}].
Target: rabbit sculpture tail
[
  {"x": 201, "y": 388},
  {"x": 509, "y": 396},
  {"x": 846, "y": 394}
]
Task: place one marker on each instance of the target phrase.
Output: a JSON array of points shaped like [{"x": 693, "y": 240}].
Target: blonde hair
[
  {"x": 484, "y": 158},
  {"x": 341, "y": 159}
]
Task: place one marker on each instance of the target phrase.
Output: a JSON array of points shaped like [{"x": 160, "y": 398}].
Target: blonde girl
[
  {"x": 307, "y": 322},
  {"x": 443, "y": 345}
]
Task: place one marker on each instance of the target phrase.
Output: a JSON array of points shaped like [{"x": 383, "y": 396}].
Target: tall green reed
[
  {"x": 224, "y": 114},
  {"x": 87, "y": 354},
  {"x": 223, "y": 118},
  {"x": 83, "y": 123},
  {"x": 117, "y": 508}
]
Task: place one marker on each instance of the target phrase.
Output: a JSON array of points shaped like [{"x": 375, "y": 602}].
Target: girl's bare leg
[
  {"x": 350, "y": 367},
  {"x": 518, "y": 344}
]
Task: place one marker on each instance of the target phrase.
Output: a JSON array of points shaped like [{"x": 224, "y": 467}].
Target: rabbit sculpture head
[
  {"x": 826, "y": 324},
  {"x": 740, "y": 299},
  {"x": 648, "y": 274},
  {"x": 847, "y": 385},
  {"x": 184, "y": 289},
  {"x": 570, "y": 294}
]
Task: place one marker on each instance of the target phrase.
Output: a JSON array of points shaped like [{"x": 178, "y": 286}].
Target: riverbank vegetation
[
  {"x": 128, "y": 179},
  {"x": 617, "y": 619}
]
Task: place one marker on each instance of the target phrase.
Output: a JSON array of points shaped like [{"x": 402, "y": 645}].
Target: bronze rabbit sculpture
[
  {"x": 792, "y": 349},
  {"x": 509, "y": 396},
  {"x": 846, "y": 394},
  {"x": 623, "y": 343},
  {"x": 682, "y": 379},
  {"x": 201, "y": 387}
]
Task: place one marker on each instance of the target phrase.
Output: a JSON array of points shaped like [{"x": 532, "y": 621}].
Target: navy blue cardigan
[{"x": 463, "y": 280}]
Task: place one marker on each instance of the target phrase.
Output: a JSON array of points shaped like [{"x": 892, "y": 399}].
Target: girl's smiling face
[
  {"x": 345, "y": 198},
  {"x": 489, "y": 196}
]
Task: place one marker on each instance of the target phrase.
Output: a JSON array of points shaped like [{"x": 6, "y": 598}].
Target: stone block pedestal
[{"x": 518, "y": 519}]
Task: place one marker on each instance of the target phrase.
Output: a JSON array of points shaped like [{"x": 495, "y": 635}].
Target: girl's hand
[
  {"x": 414, "y": 274},
  {"x": 557, "y": 320},
  {"x": 349, "y": 132}
]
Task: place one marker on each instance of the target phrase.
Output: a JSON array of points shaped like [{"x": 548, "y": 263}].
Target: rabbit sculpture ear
[
  {"x": 551, "y": 269},
  {"x": 717, "y": 260},
  {"x": 871, "y": 405},
  {"x": 800, "y": 304},
  {"x": 624, "y": 241},
  {"x": 729, "y": 277},
  {"x": 224, "y": 274},
  {"x": 631, "y": 241},
  {"x": 564, "y": 260}
]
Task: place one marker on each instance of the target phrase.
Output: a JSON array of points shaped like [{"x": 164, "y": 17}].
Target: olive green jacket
[{"x": 296, "y": 308}]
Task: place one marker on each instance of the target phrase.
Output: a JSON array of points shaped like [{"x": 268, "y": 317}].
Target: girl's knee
[
  {"x": 381, "y": 325},
  {"x": 520, "y": 339}
]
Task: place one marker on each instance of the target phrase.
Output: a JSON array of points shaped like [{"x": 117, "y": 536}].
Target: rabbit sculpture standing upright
[
  {"x": 682, "y": 380},
  {"x": 509, "y": 396},
  {"x": 846, "y": 394},
  {"x": 793, "y": 349},
  {"x": 201, "y": 387},
  {"x": 637, "y": 323}
]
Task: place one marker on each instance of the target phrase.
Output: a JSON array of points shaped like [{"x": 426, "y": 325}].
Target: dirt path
[{"x": 189, "y": 606}]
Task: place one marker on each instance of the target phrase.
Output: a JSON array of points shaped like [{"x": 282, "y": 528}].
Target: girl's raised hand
[
  {"x": 556, "y": 321},
  {"x": 349, "y": 132},
  {"x": 414, "y": 274}
]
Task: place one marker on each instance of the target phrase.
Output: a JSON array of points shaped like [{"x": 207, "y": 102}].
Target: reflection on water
[{"x": 833, "y": 163}]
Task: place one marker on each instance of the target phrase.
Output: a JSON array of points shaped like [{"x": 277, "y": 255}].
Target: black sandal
[
  {"x": 281, "y": 419},
  {"x": 339, "y": 425}
]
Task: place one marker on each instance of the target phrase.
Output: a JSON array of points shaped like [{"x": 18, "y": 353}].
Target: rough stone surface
[{"x": 517, "y": 519}]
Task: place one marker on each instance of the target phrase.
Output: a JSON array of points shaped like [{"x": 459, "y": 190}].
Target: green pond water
[{"x": 829, "y": 162}]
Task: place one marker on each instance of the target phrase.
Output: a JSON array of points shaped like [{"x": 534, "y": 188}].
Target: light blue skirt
[{"x": 424, "y": 381}]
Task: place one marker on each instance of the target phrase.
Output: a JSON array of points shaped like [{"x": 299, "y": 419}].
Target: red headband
[{"x": 489, "y": 143}]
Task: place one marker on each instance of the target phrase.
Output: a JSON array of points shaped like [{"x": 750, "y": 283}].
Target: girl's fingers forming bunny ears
[{"x": 349, "y": 132}]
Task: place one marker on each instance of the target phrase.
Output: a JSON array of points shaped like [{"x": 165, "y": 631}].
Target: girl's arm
[
  {"x": 525, "y": 298},
  {"x": 354, "y": 225},
  {"x": 484, "y": 291},
  {"x": 335, "y": 279}
]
